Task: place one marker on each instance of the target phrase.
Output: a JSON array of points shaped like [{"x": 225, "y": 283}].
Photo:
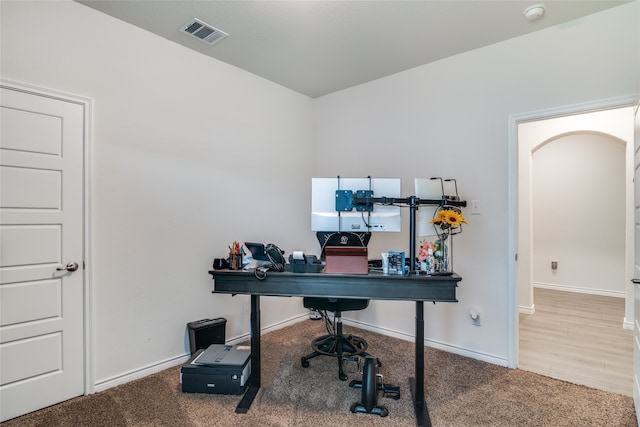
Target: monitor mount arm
[{"x": 363, "y": 201}]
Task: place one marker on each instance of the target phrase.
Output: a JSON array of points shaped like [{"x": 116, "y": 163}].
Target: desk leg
[
  {"x": 254, "y": 379},
  {"x": 417, "y": 384}
]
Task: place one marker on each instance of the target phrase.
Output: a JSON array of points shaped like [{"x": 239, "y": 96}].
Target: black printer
[{"x": 220, "y": 369}]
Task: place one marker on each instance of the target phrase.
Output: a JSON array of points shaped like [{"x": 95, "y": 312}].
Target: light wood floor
[{"x": 578, "y": 338}]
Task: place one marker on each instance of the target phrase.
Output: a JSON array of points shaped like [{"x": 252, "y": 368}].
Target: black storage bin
[{"x": 203, "y": 333}]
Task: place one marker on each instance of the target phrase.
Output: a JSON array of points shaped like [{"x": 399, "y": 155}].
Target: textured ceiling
[{"x": 319, "y": 47}]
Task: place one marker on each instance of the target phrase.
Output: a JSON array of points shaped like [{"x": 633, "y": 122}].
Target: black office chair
[{"x": 335, "y": 343}]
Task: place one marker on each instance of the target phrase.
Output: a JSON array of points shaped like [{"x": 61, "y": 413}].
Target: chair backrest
[{"x": 343, "y": 238}]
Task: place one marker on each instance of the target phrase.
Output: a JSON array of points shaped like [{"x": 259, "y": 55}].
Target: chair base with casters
[
  {"x": 336, "y": 344},
  {"x": 370, "y": 387}
]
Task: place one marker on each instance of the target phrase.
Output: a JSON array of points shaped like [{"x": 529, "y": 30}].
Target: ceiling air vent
[{"x": 202, "y": 31}]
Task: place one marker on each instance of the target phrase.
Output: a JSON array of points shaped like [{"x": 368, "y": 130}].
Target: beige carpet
[{"x": 459, "y": 392}]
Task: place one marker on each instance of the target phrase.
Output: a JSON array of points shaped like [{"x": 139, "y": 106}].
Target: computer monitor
[
  {"x": 325, "y": 217},
  {"x": 427, "y": 189}
]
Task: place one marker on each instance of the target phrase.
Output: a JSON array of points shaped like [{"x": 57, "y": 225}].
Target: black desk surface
[{"x": 370, "y": 286}]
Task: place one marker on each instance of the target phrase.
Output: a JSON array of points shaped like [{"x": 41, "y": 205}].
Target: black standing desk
[{"x": 418, "y": 288}]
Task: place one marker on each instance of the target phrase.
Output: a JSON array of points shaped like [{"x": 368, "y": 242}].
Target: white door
[
  {"x": 636, "y": 266},
  {"x": 41, "y": 231}
]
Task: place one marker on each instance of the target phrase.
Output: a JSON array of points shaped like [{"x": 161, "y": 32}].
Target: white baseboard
[
  {"x": 139, "y": 373},
  {"x": 287, "y": 322},
  {"x": 495, "y": 360},
  {"x": 580, "y": 290},
  {"x": 179, "y": 360},
  {"x": 527, "y": 309},
  {"x": 626, "y": 324},
  {"x": 602, "y": 292}
]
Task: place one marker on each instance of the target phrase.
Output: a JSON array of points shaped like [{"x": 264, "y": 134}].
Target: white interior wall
[
  {"x": 161, "y": 185},
  {"x": 579, "y": 214},
  {"x": 187, "y": 158},
  {"x": 450, "y": 119}
]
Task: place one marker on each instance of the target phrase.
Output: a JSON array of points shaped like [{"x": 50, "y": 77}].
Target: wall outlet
[{"x": 475, "y": 317}]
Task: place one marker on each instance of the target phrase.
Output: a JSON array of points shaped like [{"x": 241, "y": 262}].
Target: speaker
[{"x": 203, "y": 333}]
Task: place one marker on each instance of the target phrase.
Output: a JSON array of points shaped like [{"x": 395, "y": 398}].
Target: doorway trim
[
  {"x": 513, "y": 182},
  {"x": 87, "y": 271}
]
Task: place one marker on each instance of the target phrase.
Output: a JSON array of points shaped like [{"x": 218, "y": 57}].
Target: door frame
[
  {"x": 87, "y": 271},
  {"x": 513, "y": 182}
]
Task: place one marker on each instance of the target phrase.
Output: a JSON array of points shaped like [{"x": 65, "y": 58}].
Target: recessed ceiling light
[{"x": 534, "y": 12}]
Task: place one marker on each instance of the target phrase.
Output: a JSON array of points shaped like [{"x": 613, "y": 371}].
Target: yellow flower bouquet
[{"x": 447, "y": 222}]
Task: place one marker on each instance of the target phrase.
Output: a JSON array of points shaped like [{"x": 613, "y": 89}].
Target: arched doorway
[
  {"x": 610, "y": 128},
  {"x": 615, "y": 125}
]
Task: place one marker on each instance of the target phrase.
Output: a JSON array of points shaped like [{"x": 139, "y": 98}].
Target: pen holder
[{"x": 235, "y": 261}]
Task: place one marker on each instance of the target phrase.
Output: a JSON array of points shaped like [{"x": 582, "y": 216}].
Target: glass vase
[{"x": 442, "y": 255}]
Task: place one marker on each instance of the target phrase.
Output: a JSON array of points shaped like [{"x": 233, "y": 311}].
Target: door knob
[{"x": 72, "y": 266}]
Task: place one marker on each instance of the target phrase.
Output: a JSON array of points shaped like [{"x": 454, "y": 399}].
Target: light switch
[{"x": 475, "y": 207}]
